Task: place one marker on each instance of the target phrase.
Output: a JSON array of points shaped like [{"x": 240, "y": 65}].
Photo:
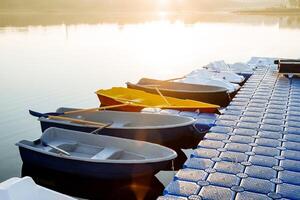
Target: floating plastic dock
[{"x": 253, "y": 152}]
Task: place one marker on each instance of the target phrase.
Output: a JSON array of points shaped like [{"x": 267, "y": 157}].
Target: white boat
[
  {"x": 237, "y": 68},
  {"x": 218, "y": 75},
  {"x": 96, "y": 156},
  {"x": 25, "y": 188},
  {"x": 262, "y": 62},
  {"x": 242, "y": 68},
  {"x": 231, "y": 87}
]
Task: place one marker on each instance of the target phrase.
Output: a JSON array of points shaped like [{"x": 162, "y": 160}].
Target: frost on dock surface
[{"x": 253, "y": 152}]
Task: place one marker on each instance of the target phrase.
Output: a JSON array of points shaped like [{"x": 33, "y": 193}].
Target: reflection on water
[{"x": 147, "y": 188}]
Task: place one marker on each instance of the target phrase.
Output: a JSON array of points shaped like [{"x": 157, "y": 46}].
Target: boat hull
[
  {"x": 107, "y": 101},
  {"x": 92, "y": 169},
  {"x": 220, "y": 98},
  {"x": 173, "y": 137}
]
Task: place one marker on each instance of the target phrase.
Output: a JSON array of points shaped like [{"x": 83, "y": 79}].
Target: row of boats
[{"x": 123, "y": 142}]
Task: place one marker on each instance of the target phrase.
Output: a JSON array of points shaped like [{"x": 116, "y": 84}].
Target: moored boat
[
  {"x": 218, "y": 75},
  {"x": 25, "y": 188},
  {"x": 96, "y": 156},
  {"x": 204, "y": 93},
  {"x": 138, "y": 100},
  {"x": 231, "y": 87},
  {"x": 167, "y": 130},
  {"x": 242, "y": 69}
]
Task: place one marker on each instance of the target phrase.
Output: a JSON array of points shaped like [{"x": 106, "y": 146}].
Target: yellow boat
[{"x": 136, "y": 100}]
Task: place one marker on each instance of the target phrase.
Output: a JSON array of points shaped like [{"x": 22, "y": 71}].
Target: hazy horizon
[{"x": 135, "y": 5}]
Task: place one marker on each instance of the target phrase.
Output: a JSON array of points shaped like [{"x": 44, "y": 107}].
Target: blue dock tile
[
  {"x": 182, "y": 188},
  {"x": 268, "y": 142},
  {"x": 273, "y": 116},
  {"x": 229, "y": 167},
  {"x": 215, "y": 192},
  {"x": 198, "y": 163},
  {"x": 276, "y": 111},
  {"x": 260, "y": 172},
  {"x": 229, "y": 117},
  {"x": 248, "y": 125},
  {"x": 171, "y": 197},
  {"x": 270, "y": 134},
  {"x": 294, "y": 105},
  {"x": 263, "y": 160},
  {"x": 238, "y": 108},
  {"x": 221, "y": 129},
  {"x": 205, "y": 153},
  {"x": 257, "y": 105},
  {"x": 245, "y": 132},
  {"x": 223, "y": 180},
  {"x": 293, "y": 112},
  {"x": 295, "y": 124},
  {"x": 233, "y": 112},
  {"x": 292, "y": 155},
  {"x": 251, "y": 196},
  {"x": 292, "y": 137},
  {"x": 291, "y": 165},
  {"x": 293, "y": 118},
  {"x": 253, "y": 114},
  {"x": 276, "y": 98},
  {"x": 258, "y": 185},
  {"x": 273, "y": 121},
  {"x": 240, "y": 99},
  {"x": 234, "y": 103},
  {"x": 274, "y": 102},
  {"x": 211, "y": 144},
  {"x": 255, "y": 109},
  {"x": 277, "y": 107},
  {"x": 191, "y": 175},
  {"x": 290, "y": 177},
  {"x": 269, "y": 127},
  {"x": 216, "y": 136},
  {"x": 259, "y": 101},
  {"x": 226, "y": 123},
  {"x": 293, "y": 130},
  {"x": 238, "y": 147},
  {"x": 292, "y": 145},
  {"x": 231, "y": 156},
  {"x": 289, "y": 191},
  {"x": 251, "y": 119},
  {"x": 266, "y": 151},
  {"x": 242, "y": 139}
]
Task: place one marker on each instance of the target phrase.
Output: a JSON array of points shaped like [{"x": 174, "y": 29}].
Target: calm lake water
[{"x": 49, "y": 61}]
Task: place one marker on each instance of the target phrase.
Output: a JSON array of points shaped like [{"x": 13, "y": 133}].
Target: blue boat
[
  {"x": 163, "y": 129},
  {"x": 96, "y": 156}
]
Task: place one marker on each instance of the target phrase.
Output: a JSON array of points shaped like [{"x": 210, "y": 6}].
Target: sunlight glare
[{"x": 163, "y": 2}]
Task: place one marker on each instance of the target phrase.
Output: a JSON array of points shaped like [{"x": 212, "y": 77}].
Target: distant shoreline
[{"x": 271, "y": 11}]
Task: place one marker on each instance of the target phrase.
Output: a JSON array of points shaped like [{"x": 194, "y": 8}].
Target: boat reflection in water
[{"x": 84, "y": 187}]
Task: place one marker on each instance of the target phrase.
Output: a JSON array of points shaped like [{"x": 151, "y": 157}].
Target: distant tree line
[
  {"x": 294, "y": 3},
  {"x": 99, "y": 5}
]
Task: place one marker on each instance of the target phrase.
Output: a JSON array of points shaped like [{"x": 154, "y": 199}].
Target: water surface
[{"x": 49, "y": 61}]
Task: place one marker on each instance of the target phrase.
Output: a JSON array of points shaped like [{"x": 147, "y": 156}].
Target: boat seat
[{"x": 108, "y": 153}]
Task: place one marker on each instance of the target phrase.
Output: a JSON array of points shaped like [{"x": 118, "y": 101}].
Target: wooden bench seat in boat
[{"x": 108, "y": 153}]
